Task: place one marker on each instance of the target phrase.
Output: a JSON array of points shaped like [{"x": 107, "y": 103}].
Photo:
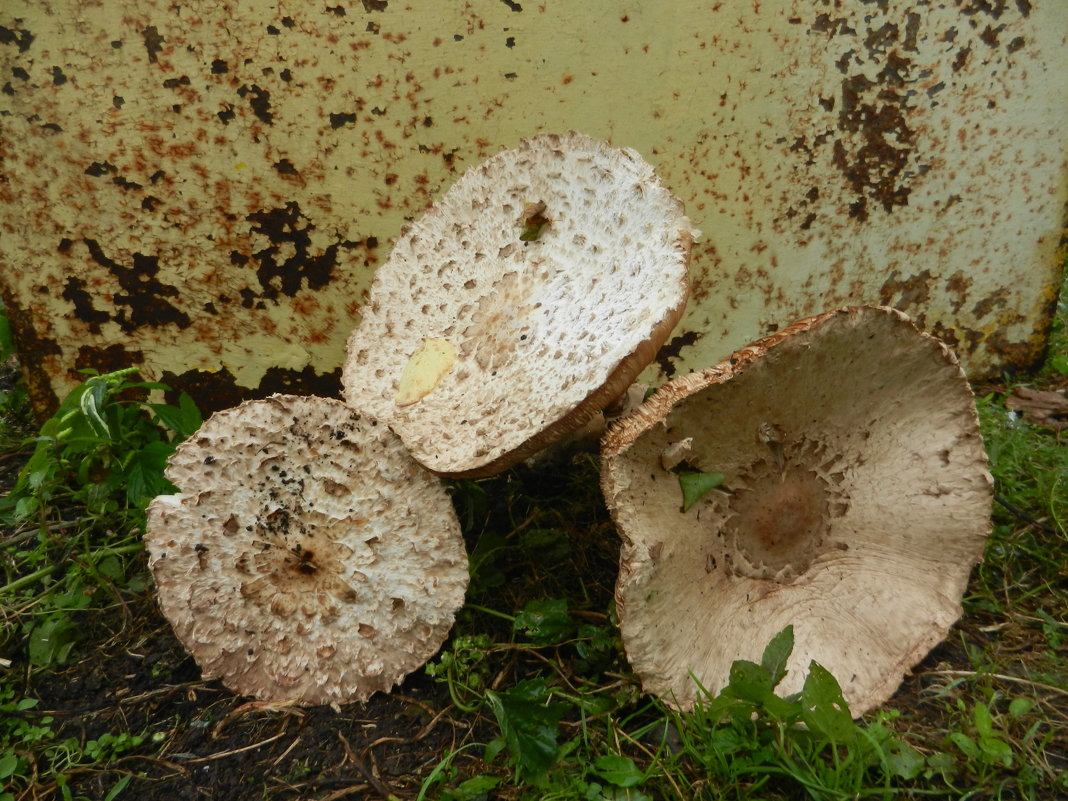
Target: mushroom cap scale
[
  {"x": 856, "y": 500},
  {"x": 308, "y": 558},
  {"x": 555, "y": 269}
]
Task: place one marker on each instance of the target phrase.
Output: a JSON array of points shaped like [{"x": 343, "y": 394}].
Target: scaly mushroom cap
[
  {"x": 856, "y": 500},
  {"x": 523, "y": 302},
  {"x": 307, "y": 557}
]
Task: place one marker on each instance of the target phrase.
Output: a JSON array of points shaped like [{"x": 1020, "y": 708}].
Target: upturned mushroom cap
[
  {"x": 855, "y": 502},
  {"x": 521, "y": 303},
  {"x": 307, "y": 558}
]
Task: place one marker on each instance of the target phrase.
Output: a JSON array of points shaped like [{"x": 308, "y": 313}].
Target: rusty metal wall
[{"x": 205, "y": 188}]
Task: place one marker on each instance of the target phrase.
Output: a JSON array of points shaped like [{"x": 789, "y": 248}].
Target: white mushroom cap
[
  {"x": 307, "y": 557},
  {"x": 855, "y": 502},
  {"x": 521, "y": 303}
]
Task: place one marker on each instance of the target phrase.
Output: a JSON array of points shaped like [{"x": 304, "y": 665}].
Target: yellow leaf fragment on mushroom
[{"x": 424, "y": 370}]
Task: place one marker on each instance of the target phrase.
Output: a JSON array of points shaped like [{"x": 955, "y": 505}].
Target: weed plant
[{"x": 73, "y": 522}]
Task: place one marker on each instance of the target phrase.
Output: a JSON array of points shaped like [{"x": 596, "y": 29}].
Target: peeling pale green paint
[{"x": 205, "y": 189}]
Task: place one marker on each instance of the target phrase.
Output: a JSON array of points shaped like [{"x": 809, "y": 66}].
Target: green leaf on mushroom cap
[{"x": 696, "y": 485}]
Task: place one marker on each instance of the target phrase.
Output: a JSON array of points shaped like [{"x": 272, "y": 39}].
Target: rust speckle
[
  {"x": 672, "y": 350},
  {"x": 153, "y": 43},
  {"x": 106, "y": 360},
  {"x": 217, "y": 390},
  {"x": 995, "y": 300},
  {"x": 144, "y": 296},
  {"x": 35, "y": 354},
  {"x": 903, "y": 293}
]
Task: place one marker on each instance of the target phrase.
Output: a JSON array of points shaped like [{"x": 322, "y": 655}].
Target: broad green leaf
[
  {"x": 965, "y": 743},
  {"x": 544, "y": 621},
  {"x": 903, "y": 760},
  {"x": 51, "y": 640},
  {"x": 618, "y": 770},
  {"x": 984, "y": 723},
  {"x": 997, "y": 750},
  {"x": 1018, "y": 707},
  {"x": 776, "y": 655},
  {"x": 825, "y": 710},
  {"x": 183, "y": 419},
  {"x": 111, "y": 567},
  {"x": 8, "y": 763},
  {"x": 697, "y": 485},
  {"x": 144, "y": 476},
  {"x": 475, "y": 788},
  {"x": 749, "y": 682},
  {"x": 528, "y": 720}
]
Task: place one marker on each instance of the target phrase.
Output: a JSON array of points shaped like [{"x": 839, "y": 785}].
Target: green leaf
[
  {"x": 618, "y": 770},
  {"x": 547, "y": 545},
  {"x": 749, "y": 682},
  {"x": 825, "y": 710},
  {"x": 903, "y": 761},
  {"x": 965, "y": 743},
  {"x": 596, "y": 644},
  {"x": 50, "y": 641},
  {"x": 183, "y": 419},
  {"x": 91, "y": 404},
  {"x": 111, "y": 567},
  {"x": 474, "y": 789},
  {"x": 697, "y": 485},
  {"x": 984, "y": 723},
  {"x": 997, "y": 750},
  {"x": 8, "y": 764},
  {"x": 777, "y": 654},
  {"x": 544, "y": 621},
  {"x": 528, "y": 720},
  {"x": 1018, "y": 707}
]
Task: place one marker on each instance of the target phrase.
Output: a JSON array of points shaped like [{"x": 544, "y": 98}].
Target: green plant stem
[
  {"x": 44, "y": 572},
  {"x": 493, "y": 612}
]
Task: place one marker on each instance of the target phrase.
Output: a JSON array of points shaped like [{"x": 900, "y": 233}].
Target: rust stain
[
  {"x": 906, "y": 293},
  {"x": 672, "y": 349}
]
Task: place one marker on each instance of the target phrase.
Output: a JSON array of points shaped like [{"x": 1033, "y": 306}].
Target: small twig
[
  {"x": 969, "y": 674},
  {"x": 423, "y": 732},
  {"x": 373, "y": 780},
  {"x": 224, "y": 754},
  {"x": 254, "y": 706},
  {"x": 344, "y": 791},
  {"x": 285, "y": 753},
  {"x": 1020, "y": 513}
]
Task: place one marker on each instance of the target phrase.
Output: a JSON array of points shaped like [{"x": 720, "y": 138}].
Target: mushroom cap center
[{"x": 779, "y": 513}]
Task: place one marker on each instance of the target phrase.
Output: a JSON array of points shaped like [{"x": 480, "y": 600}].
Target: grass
[{"x": 533, "y": 680}]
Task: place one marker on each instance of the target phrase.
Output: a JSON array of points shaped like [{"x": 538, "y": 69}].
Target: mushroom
[
  {"x": 855, "y": 500},
  {"x": 521, "y": 304},
  {"x": 307, "y": 558}
]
